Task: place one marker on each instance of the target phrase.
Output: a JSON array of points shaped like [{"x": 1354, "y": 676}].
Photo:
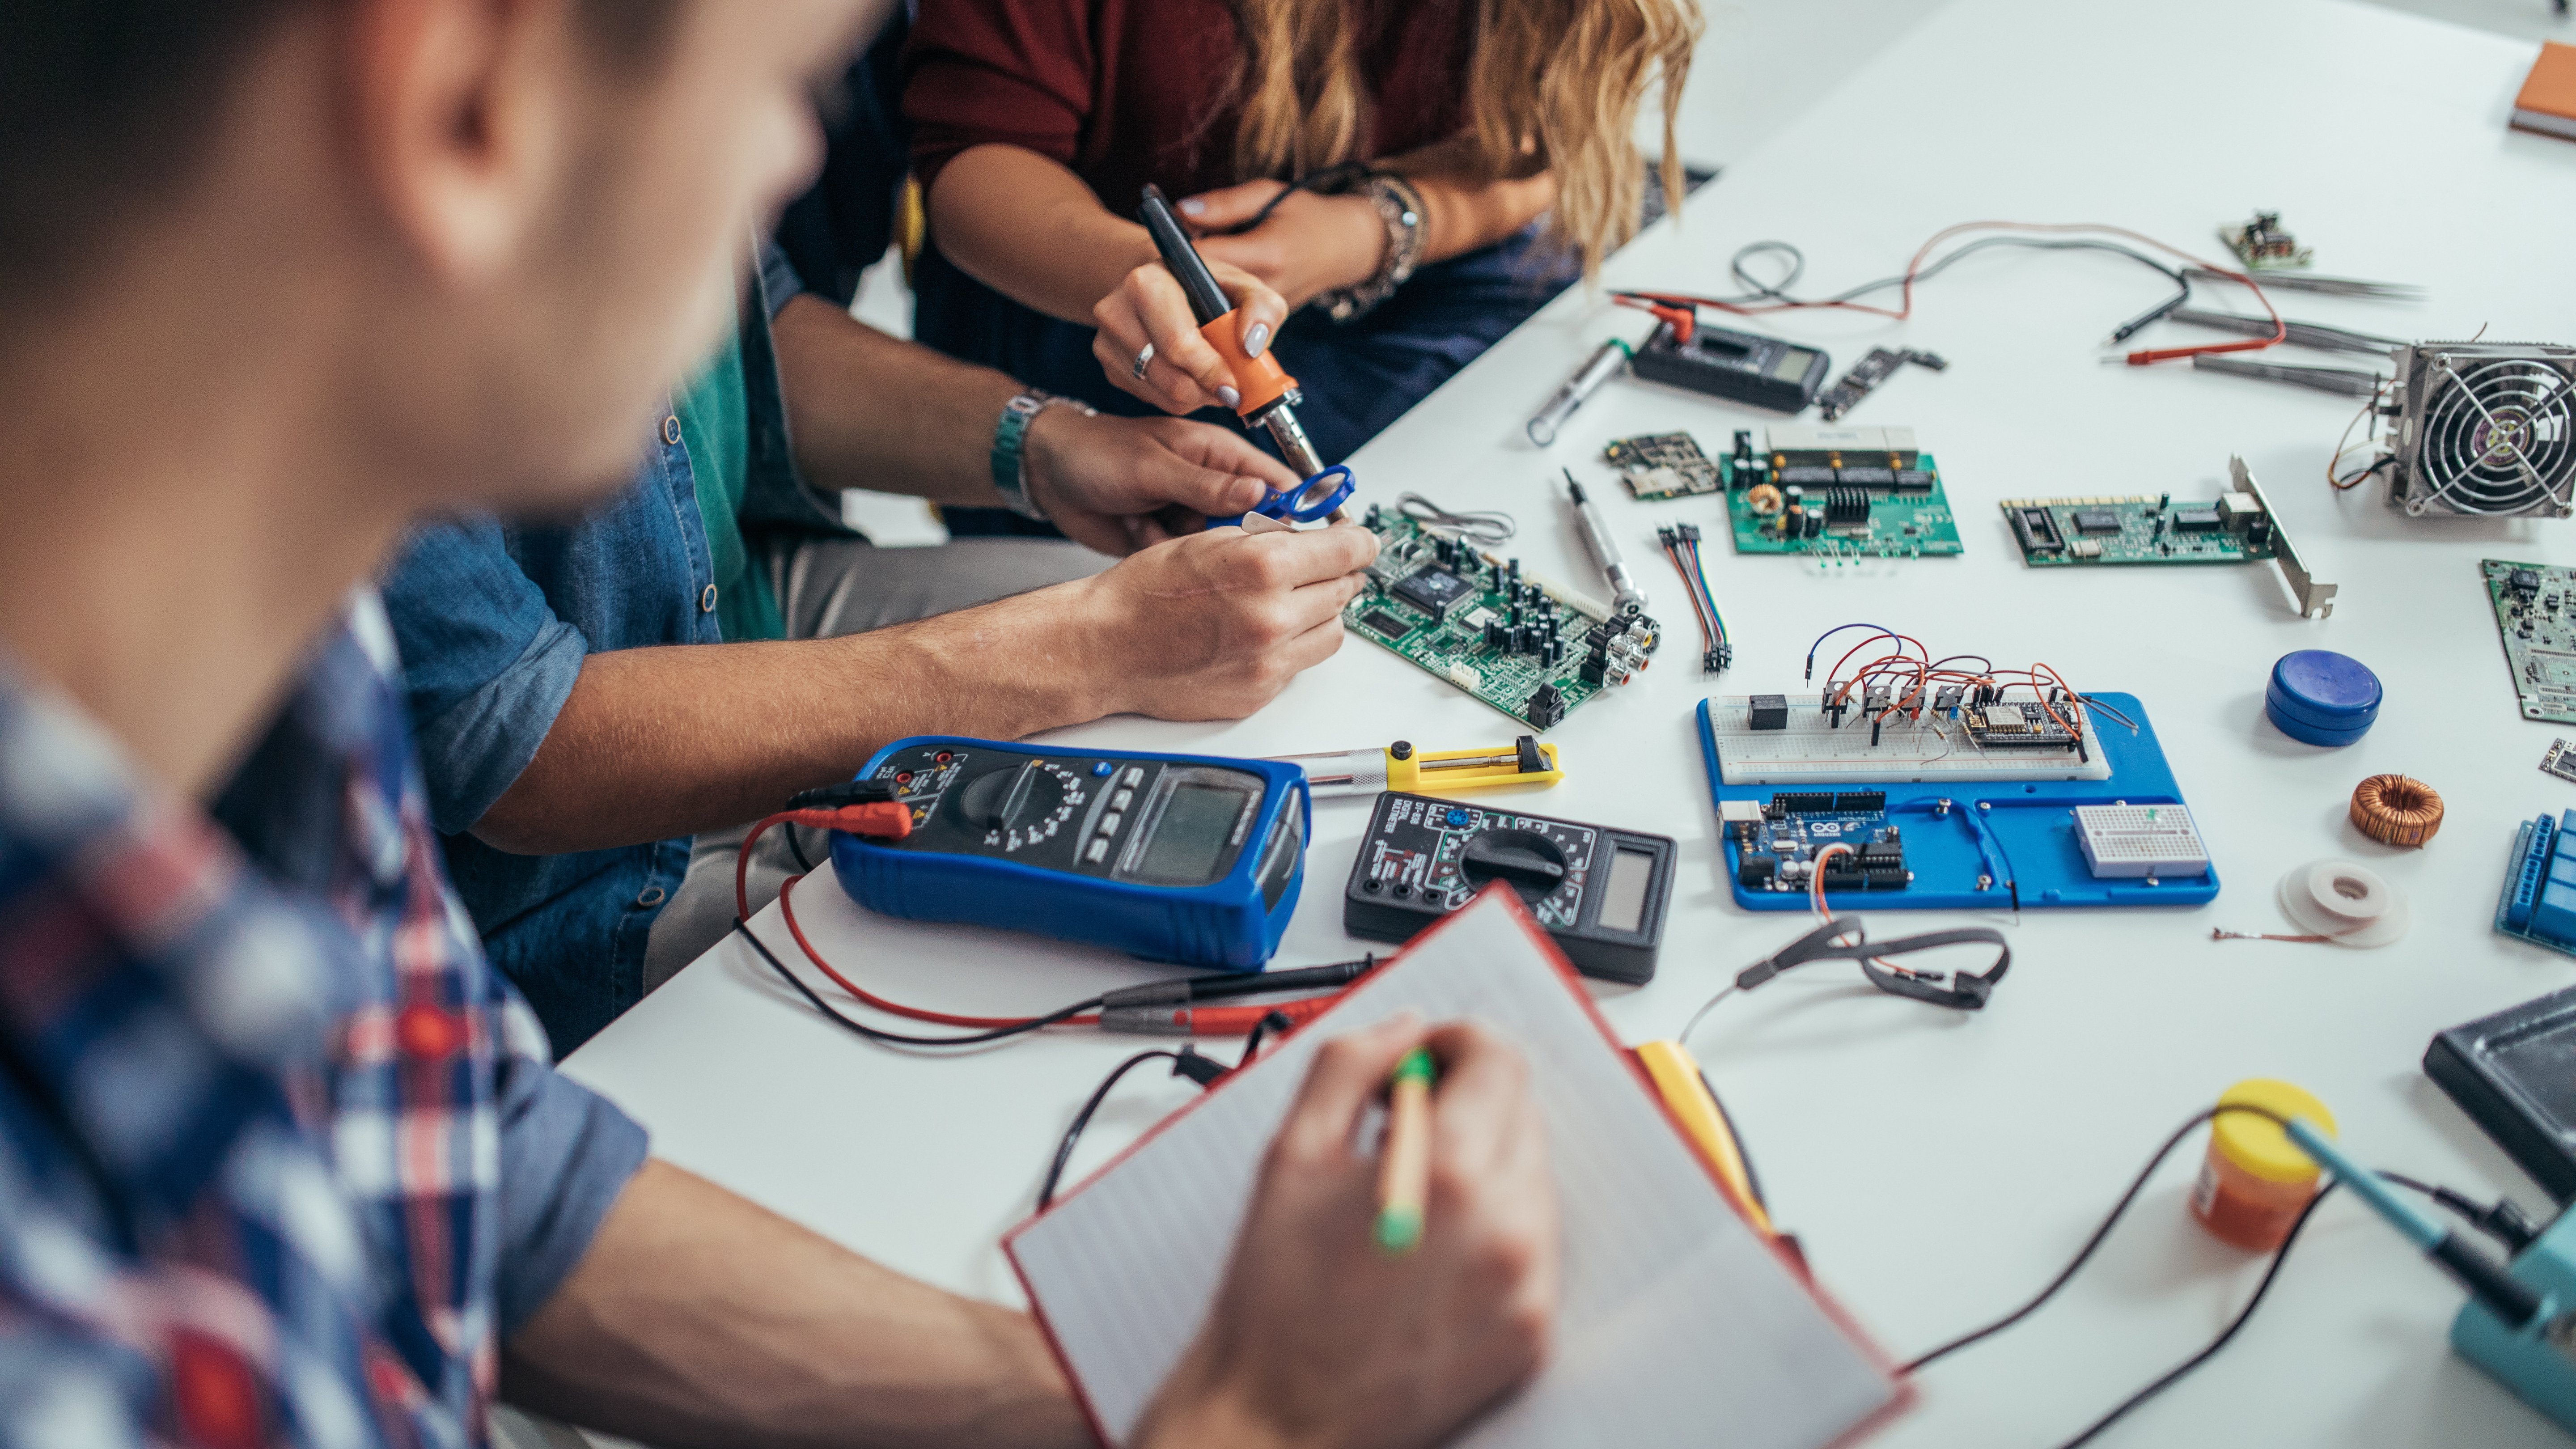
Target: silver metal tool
[
  {"x": 1630, "y": 599},
  {"x": 1596, "y": 370},
  {"x": 2344, "y": 380}
]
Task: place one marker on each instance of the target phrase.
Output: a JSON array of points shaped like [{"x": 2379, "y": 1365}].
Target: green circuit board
[
  {"x": 2535, "y": 613},
  {"x": 1435, "y": 611},
  {"x": 1871, "y": 519},
  {"x": 2145, "y": 529}
]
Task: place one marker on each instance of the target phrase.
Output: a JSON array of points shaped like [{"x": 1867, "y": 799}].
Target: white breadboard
[
  {"x": 2139, "y": 840},
  {"x": 1812, "y": 752}
]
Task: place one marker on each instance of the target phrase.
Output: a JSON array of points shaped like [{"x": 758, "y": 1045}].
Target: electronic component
[
  {"x": 1738, "y": 366},
  {"x": 1865, "y": 377},
  {"x": 1662, "y": 465},
  {"x": 2560, "y": 761},
  {"x": 2263, "y": 243},
  {"x": 2535, "y": 614},
  {"x": 2239, "y": 526},
  {"x": 1784, "y": 846},
  {"x": 1434, "y": 591},
  {"x": 2539, "y": 899},
  {"x": 1533, "y": 649},
  {"x": 2395, "y": 810},
  {"x": 1765, "y": 739},
  {"x": 1174, "y": 858},
  {"x": 2150, "y": 841},
  {"x": 2486, "y": 429},
  {"x": 1681, "y": 546},
  {"x": 1600, "y": 893},
  {"x": 2509, "y": 1073},
  {"x": 1837, "y": 493}
]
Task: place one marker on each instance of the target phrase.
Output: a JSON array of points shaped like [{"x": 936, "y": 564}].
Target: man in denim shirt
[
  {"x": 593, "y": 787},
  {"x": 281, "y": 1162}
]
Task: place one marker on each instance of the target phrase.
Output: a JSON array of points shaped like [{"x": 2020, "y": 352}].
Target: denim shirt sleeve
[{"x": 488, "y": 664}]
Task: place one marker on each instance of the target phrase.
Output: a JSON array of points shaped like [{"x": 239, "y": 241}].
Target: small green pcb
[
  {"x": 2148, "y": 528},
  {"x": 1532, "y": 649},
  {"x": 1841, "y": 512},
  {"x": 1662, "y": 465},
  {"x": 2535, "y": 612}
]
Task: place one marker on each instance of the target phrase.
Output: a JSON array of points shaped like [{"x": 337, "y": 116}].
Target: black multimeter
[
  {"x": 1601, "y": 893},
  {"x": 1738, "y": 366}
]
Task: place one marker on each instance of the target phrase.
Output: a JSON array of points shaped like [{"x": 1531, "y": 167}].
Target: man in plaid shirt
[{"x": 281, "y": 1160}]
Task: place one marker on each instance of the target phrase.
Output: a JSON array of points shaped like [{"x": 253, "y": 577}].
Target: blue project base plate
[{"x": 2026, "y": 841}]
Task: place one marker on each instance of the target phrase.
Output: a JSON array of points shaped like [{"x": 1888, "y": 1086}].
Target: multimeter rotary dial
[
  {"x": 1534, "y": 864},
  {"x": 1026, "y": 803}
]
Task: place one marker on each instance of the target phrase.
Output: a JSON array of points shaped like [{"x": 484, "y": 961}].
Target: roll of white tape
[{"x": 2345, "y": 902}]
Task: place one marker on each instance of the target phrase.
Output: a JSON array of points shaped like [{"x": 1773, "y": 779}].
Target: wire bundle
[
  {"x": 1681, "y": 545},
  {"x": 1910, "y": 674},
  {"x": 1679, "y": 308}
]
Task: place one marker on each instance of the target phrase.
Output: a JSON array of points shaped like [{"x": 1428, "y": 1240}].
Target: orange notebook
[{"x": 2548, "y": 100}]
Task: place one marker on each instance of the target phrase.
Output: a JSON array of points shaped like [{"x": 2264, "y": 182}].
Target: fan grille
[{"x": 2498, "y": 437}]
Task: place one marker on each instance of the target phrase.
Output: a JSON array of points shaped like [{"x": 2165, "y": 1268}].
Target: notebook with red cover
[
  {"x": 2548, "y": 100},
  {"x": 1679, "y": 1324}
]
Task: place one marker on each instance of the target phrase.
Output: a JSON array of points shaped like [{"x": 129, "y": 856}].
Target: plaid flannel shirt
[{"x": 258, "y": 1108}]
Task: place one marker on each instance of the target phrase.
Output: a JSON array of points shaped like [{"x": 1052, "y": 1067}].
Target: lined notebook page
[{"x": 1678, "y": 1325}]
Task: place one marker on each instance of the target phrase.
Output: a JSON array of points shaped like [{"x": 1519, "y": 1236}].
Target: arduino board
[
  {"x": 1837, "y": 493},
  {"x": 2535, "y": 614},
  {"x": 1532, "y": 649},
  {"x": 1781, "y": 843},
  {"x": 2238, "y": 526}
]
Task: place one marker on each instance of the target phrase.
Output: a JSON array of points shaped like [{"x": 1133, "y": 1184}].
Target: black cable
[
  {"x": 2085, "y": 1254},
  {"x": 889, "y": 1038},
  {"x": 1332, "y": 176},
  {"x": 2171, "y": 1376},
  {"x": 1082, "y": 1119},
  {"x": 1271, "y": 1021},
  {"x": 795, "y": 849},
  {"x": 2500, "y": 1220}
]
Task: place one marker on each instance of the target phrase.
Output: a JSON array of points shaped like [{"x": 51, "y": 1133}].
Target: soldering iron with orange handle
[{"x": 1268, "y": 395}]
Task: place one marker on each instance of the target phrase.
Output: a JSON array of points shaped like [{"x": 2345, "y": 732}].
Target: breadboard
[{"x": 1811, "y": 751}]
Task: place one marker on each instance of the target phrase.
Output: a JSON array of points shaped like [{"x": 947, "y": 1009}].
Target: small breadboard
[
  {"x": 1797, "y": 743},
  {"x": 2560, "y": 761},
  {"x": 2139, "y": 841}
]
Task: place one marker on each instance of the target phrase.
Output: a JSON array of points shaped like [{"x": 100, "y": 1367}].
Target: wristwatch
[
  {"x": 1399, "y": 206},
  {"x": 1010, "y": 457}
]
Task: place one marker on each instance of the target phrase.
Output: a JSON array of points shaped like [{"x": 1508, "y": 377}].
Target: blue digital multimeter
[{"x": 1173, "y": 858}]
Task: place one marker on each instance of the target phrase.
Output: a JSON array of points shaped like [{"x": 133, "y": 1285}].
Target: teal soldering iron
[{"x": 2511, "y": 1300}]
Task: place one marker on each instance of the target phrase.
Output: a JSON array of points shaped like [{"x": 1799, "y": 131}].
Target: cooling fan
[{"x": 2484, "y": 428}]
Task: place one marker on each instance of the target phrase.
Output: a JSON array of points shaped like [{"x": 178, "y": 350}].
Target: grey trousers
[{"x": 826, "y": 588}]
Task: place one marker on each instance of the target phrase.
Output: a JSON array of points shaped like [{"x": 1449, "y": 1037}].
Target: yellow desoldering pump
[
  {"x": 1269, "y": 396},
  {"x": 1400, "y": 767}
]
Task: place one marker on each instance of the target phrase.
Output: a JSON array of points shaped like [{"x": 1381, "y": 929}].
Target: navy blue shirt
[{"x": 495, "y": 619}]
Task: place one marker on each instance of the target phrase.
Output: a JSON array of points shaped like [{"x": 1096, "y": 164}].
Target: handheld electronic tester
[{"x": 1170, "y": 857}]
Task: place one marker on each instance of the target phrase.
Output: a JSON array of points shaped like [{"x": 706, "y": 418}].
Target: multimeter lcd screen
[
  {"x": 1623, "y": 897},
  {"x": 1792, "y": 366},
  {"x": 1196, "y": 826}
]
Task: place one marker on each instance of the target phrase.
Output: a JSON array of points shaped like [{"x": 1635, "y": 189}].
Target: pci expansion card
[
  {"x": 1533, "y": 649},
  {"x": 2239, "y": 526}
]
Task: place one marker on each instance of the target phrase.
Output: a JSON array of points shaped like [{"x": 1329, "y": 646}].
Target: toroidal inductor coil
[{"x": 2395, "y": 810}]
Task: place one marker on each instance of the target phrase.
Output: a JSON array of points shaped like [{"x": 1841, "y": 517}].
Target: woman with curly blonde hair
[{"x": 1458, "y": 161}]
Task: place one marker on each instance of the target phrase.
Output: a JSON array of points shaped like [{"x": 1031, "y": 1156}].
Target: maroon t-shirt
[{"x": 1130, "y": 91}]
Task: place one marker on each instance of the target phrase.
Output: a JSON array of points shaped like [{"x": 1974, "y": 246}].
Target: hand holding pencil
[{"x": 1381, "y": 1297}]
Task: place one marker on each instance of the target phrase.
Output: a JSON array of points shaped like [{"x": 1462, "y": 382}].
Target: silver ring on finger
[{"x": 1143, "y": 360}]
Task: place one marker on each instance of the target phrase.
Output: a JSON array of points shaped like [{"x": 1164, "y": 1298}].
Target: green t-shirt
[{"x": 715, "y": 424}]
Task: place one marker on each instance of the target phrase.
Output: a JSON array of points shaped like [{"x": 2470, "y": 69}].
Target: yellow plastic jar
[{"x": 2255, "y": 1181}]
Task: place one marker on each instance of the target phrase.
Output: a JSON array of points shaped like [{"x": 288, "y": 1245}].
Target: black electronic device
[
  {"x": 1738, "y": 366},
  {"x": 1601, "y": 893},
  {"x": 2514, "y": 1073}
]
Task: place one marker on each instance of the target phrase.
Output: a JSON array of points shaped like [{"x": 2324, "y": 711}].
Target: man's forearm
[
  {"x": 697, "y": 1318},
  {"x": 670, "y": 741},
  {"x": 872, "y": 411}
]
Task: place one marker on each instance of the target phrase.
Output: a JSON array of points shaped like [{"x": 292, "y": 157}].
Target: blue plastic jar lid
[
  {"x": 2326, "y": 689},
  {"x": 2280, "y": 706}
]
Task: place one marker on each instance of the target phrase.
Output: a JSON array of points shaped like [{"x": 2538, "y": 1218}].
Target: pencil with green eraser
[{"x": 1404, "y": 1168}]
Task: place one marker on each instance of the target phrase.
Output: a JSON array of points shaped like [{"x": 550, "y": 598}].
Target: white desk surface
[{"x": 1937, "y": 1167}]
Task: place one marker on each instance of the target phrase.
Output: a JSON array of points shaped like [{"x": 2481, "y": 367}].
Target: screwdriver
[{"x": 1605, "y": 551}]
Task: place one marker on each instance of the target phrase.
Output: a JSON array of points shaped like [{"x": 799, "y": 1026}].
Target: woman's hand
[
  {"x": 1185, "y": 373},
  {"x": 1308, "y": 245}
]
